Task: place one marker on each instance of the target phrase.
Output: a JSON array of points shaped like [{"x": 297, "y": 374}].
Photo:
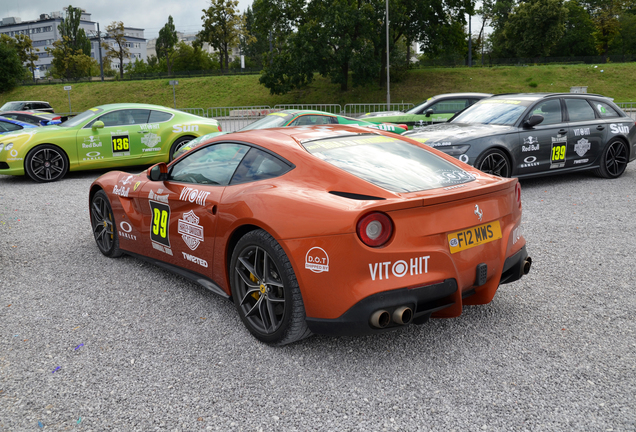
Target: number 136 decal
[
  {"x": 159, "y": 224},
  {"x": 121, "y": 145}
]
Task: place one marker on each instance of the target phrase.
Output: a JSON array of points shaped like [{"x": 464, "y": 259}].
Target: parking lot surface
[{"x": 92, "y": 343}]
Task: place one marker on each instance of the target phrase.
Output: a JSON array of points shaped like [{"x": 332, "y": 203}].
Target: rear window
[
  {"x": 605, "y": 110},
  {"x": 389, "y": 163}
]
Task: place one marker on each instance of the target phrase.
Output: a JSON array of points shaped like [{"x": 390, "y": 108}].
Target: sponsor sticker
[
  {"x": 619, "y": 128},
  {"x": 91, "y": 142},
  {"x": 581, "y": 131},
  {"x": 384, "y": 270},
  {"x": 126, "y": 228},
  {"x": 193, "y": 195},
  {"x": 93, "y": 156},
  {"x": 196, "y": 260},
  {"x": 185, "y": 128},
  {"x": 463, "y": 158},
  {"x": 160, "y": 224},
  {"x": 155, "y": 196},
  {"x": 581, "y": 161},
  {"x": 190, "y": 230},
  {"x": 136, "y": 186},
  {"x": 582, "y": 146},
  {"x": 121, "y": 191},
  {"x": 150, "y": 140},
  {"x": 528, "y": 162},
  {"x": 317, "y": 260}
]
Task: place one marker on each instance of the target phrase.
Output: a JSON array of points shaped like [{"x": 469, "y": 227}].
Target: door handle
[
  {"x": 563, "y": 131},
  {"x": 142, "y": 132},
  {"x": 599, "y": 127}
]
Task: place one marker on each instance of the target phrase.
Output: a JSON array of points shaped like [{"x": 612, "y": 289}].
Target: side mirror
[
  {"x": 158, "y": 172},
  {"x": 98, "y": 125},
  {"x": 429, "y": 112},
  {"x": 533, "y": 121}
]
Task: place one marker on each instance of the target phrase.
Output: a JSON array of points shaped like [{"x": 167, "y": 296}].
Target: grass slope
[{"x": 616, "y": 80}]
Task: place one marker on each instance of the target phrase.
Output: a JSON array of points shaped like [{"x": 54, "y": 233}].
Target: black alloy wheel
[
  {"x": 46, "y": 163},
  {"x": 614, "y": 160},
  {"x": 494, "y": 162},
  {"x": 265, "y": 290},
  {"x": 104, "y": 227}
]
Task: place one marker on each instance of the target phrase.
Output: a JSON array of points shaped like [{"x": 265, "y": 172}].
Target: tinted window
[
  {"x": 212, "y": 165},
  {"x": 389, "y": 163},
  {"x": 579, "y": 110},
  {"x": 605, "y": 110},
  {"x": 550, "y": 110},
  {"x": 125, "y": 117},
  {"x": 259, "y": 165},
  {"x": 159, "y": 116},
  {"x": 493, "y": 111},
  {"x": 269, "y": 121},
  {"x": 7, "y": 127},
  {"x": 449, "y": 106},
  {"x": 312, "y": 120},
  {"x": 81, "y": 118}
]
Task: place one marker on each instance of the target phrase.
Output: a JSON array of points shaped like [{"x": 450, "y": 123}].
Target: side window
[
  {"x": 259, "y": 165},
  {"x": 579, "y": 110},
  {"x": 159, "y": 117},
  {"x": 10, "y": 116},
  {"x": 307, "y": 120},
  {"x": 11, "y": 127},
  {"x": 211, "y": 165},
  {"x": 449, "y": 106},
  {"x": 605, "y": 110},
  {"x": 124, "y": 117},
  {"x": 550, "y": 110}
]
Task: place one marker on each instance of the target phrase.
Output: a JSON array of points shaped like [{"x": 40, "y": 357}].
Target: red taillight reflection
[
  {"x": 375, "y": 229},
  {"x": 518, "y": 193},
  {"x": 219, "y": 127}
]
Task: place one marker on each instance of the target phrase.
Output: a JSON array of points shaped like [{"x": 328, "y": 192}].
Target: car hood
[{"x": 457, "y": 132}]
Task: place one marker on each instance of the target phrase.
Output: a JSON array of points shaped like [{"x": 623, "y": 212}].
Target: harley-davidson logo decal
[{"x": 190, "y": 230}]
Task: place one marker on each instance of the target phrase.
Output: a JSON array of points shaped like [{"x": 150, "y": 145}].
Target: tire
[
  {"x": 265, "y": 290},
  {"x": 178, "y": 144},
  {"x": 494, "y": 162},
  {"x": 104, "y": 226},
  {"x": 614, "y": 160},
  {"x": 46, "y": 163}
]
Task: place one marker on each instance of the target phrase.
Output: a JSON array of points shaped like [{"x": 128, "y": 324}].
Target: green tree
[
  {"x": 70, "y": 28},
  {"x": 68, "y": 62},
  {"x": 625, "y": 41},
  {"x": 222, "y": 26},
  {"x": 578, "y": 37},
  {"x": 605, "y": 15},
  {"x": 24, "y": 47},
  {"x": 118, "y": 49},
  {"x": 11, "y": 69},
  {"x": 192, "y": 58},
  {"x": 166, "y": 42},
  {"x": 498, "y": 11},
  {"x": 535, "y": 26}
]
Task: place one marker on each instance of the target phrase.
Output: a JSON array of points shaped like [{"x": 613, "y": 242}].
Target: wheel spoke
[
  {"x": 36, "y": 158},
  {"x": 254, "y": 308},
  {"x": 246, "y": 280},
  {"x": 249, "y": 267},
  {"x": 272, "y": 316},
  {"x": 248, "y": 295}
]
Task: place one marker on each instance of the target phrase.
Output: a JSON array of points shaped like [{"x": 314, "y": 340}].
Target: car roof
[
  {"x": 537, "y": 96},
  {"x": 300, "y": 111},
  {"x": 33, "y": 113},
  {"x": 464, "y": 94},
  {"x": 135, "y": 105},
  {"x": 28, "y": 101}
]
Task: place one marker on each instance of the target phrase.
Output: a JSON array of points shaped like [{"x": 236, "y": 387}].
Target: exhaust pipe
[
  {"x": 380, "y": 318},
  {"x": 402, "y": 315},
  {"x": 526, "y": 266}
]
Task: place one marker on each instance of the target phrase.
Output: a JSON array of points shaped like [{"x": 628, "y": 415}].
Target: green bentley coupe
[{"x": 105, "y": 136}]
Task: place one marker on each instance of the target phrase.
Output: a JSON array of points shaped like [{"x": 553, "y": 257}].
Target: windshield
[
  {"x": 269, "y": 121},
  {"x": 493, "y": 111},
  {"x": 81, "y": 118},
  {"x": 417, "y": 109},
  {"x": 389, "y": 163},
  {"x": 11, "y": 106}
]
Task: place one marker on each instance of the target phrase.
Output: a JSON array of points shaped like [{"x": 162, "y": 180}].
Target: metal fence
[
  {"x": 629, "y": 108},
  {"x": 232, "y": 119},
  {"x": 330, "y": 108},
  {"x": 195, "y": 111}
]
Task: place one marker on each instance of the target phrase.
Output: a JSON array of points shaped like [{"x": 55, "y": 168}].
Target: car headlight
[
  {"x": 454, "y": 150},
  {"x": 1, "y": 147}
]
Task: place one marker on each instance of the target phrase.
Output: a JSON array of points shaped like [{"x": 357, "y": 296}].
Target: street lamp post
[{"x": 388, "y": 81}]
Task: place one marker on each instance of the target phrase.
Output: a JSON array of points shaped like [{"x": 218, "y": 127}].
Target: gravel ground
[{"x": 88, "y": 342}]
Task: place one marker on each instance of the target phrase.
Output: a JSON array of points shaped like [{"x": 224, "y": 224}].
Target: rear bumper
[{"x": 423, "y": 301}]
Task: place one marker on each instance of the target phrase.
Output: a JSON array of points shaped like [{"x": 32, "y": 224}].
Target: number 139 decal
[
  {"x": 160, "y": 223},
  {"x": 557, "y": 159}
]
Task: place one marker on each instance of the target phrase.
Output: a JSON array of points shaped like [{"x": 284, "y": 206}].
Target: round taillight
[
  {"x": 375, "y": 229},
  {"x": 219, "y": 128},
  {"x": 403, "y": 126},
  {"x": 518, "y": 193}
]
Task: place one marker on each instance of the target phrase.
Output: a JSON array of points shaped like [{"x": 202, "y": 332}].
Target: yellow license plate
[{"x": 475, "y": 236}]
